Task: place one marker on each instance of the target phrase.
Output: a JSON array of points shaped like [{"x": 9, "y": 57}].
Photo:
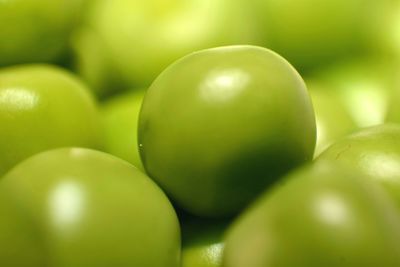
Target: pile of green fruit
[{"x": 168, "y": 133}]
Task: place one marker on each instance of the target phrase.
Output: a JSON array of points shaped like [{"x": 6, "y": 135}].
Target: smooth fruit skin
[
  {"x": 43, "y": 107},
  {"x": 218, "y": 126},
  {"x": 36, "y": 30},
  {"x": 80, "y": 207},
  {"x": 139, "y": 39},
  {"x": 203, "y": 243},
  {"x": 120, "y": 122},
  {"x": 332, "y": 118},
  {"x": 309, "y": 34},
  {"x": 321, "y": 215},
  {"x": 375, "y": 151}
]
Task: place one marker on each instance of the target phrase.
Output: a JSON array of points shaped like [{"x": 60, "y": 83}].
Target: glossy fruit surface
[
  {"x": 374, "y": 151},
  {"x": 36, "y": 30},
  {"x": 203, "y": 243},
  {"x": 43, "y": 107},
  {"x": 220, "y": 125},
  {"x": 120, "y": 123},
  {"x": 321, "y": 215},
  {"x": 80, "y": 207}
]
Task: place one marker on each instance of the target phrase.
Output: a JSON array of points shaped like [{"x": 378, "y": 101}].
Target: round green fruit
[
  {"x": 374, "y": 151},
  {"x": 36, "y": 30},
  {"x": 79, "y": 207},
  {"x": 120, "y": 123},
  {"x": 43, "y": 107},
  {"x": 311, "y": 33},
  {"x": 141, "y": 38},
  {"x": 218, "y": 126},
  {"x": 321, "y": 215}
]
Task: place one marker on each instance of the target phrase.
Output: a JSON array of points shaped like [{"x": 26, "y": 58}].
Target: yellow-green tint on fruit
[
  {"x": 120, "y": 122},
  {"x": 366, "y": 88},
  {"x": 332, "y": 117},
  {"x": 373, "y": 151},
  {"x": 203, "y": 242},
  {"x": 322, "y": 215},
  {"x": 80, "y": 207},
  {"x": 220, "y": 125},
  {"x": 312, "y": 34},
  {"x": 44, "y": 107},
  {"x": 36, "y": 30},
  {"x": 144, "y": 37}
]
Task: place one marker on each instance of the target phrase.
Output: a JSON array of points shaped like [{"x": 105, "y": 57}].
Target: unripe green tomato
[
  {"x": 203, "y": 243},
  {"x": 332, "y": 117},
  {"x": 80, "y": 207},
  {"x": 321, "y": 215},
  {"x": 141, "y": 38},
  {"x": 219, "y": 125},
  {"x": 314, "y": 33},
  {"x": 36, "y": 30},
  {"x": 120, "y": 123},
  {"x": 374, "y": 151},
  {"x": 43, "y": 107}
]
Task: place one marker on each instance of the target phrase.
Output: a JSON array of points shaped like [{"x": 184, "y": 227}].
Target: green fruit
[
  {"x": 202, "y": 243},
  {"x": 314, "y": 33},
  {"x": 43, "y": 107},
  {"x": 120, "y": 120},
  {"x": 79, "y": 207},
  {"x": 220, "y": 125},
  {"x": 36, "y": 30},
  {"x": 322, "y": 215},
  {"x": 365, "y": 87},
  {"x": 374, "y": 151},
  {"x": 332, "y": 118},
  {"x": 141, "y": 38}
]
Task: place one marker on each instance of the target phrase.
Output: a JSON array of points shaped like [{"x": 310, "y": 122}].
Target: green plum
[
  {"x": 80, "y": 207},
  {"x": 314, "y": 33},
  {"x": 375, "y": 151},
  {"x": 36, "y": 30},
  {"x": 221, "y": 124},
  {"x": 321, "y": 215},
  {"x": 332, "y": 117},
  {"x": 366, "y": 88},
  {"x": 43, "y": 107},
  {"x": 120, "y": 120},
  {"x": 138, "y": 39},
  {"x": 202, "y": 242}
]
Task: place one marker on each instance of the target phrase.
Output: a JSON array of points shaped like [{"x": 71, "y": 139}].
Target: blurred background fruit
[
  {"x": 137, "y": 39},
  {"x": 44, "y": 107},
  {"x": 33, "y": 31},
  {"x": 120, "y": 122}
]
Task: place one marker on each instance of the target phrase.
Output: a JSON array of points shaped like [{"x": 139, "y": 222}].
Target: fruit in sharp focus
[
  {"x": 218, "y": 126},
  {"x": 321, "y": 215},
  {"x": 43, "y": 107},
  {"x": 79, "y": 207},
  {"x": 375, "y": 152}
]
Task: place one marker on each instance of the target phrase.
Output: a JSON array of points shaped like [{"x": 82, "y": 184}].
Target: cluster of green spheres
[{"x": 199, "y": 133}]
